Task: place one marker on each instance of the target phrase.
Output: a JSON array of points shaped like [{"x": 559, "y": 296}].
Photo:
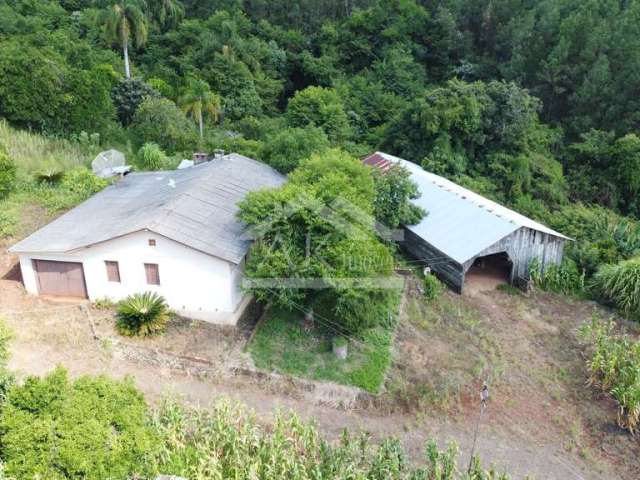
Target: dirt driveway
[{"x": 50, "y": 334}]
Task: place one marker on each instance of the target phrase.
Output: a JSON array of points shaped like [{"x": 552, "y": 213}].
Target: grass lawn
[{"x": 281, "y": 344}]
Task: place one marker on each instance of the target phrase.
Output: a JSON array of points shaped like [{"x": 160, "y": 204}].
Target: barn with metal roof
[{"x": 464, "y": 231}]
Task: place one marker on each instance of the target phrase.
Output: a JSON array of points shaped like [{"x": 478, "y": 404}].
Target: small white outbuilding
[{"x": 174, "y": 233}]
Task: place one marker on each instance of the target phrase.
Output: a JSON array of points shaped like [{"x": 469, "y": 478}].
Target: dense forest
[{"x": 534, "y": 104}]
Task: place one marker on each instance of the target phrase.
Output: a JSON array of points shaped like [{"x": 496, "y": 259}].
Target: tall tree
[
  {"x": 198, "y": 100},
  {"x": 167, "y": 13},
  {"x": 123, "y": 21}
]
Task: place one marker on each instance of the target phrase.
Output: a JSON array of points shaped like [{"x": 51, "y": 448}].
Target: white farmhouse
[{"x": 174, "y": 233}]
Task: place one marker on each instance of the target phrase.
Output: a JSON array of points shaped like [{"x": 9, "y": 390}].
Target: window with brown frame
[
  {"x": 152, "y": 242},
  {"x": 152, "y": 272},
  {"x": 113, "y": 271}
]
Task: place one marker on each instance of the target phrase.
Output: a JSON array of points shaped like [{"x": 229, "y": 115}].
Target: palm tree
[
  {"x": 199, "y": 99},
  {"x": 123, "y": 20},
  {"x": 167, "y": 13}
]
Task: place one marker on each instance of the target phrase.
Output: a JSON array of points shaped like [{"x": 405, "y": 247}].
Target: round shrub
[
  {"x": 142, "y": 314},
  {"x": 160, "y": 121},
  {"x": 320, "y": 107},
  {"x": 620, "y": 285},
  {"x": 93, "y": 427},
  {"x": 287, "y": 148},
  {"x": 7, "y": 173}
]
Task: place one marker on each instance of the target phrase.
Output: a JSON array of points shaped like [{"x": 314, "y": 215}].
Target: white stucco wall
[{"x": 194, "y": 284}]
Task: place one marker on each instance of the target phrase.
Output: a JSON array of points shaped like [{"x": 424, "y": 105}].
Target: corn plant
[
  {"x": 614, "y": 366},
  {"x": 620, "y": 285},
  {"x": 142, "y": 314},
  {"x": 225, "y": 441},
  {"x": 565, "y": 278}
]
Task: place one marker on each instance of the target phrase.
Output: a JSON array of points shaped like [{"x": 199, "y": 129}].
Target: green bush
[
  {"x": 432, "y": 287},
  {"x": 620, "y": 285},
  {"x": 93, "y": 428},
  {"x": 82, "y": 183},
  {"x": 565, "y": 278},
  {"x": 319, "y": 107},
  {"x": 128, "y": 95},
  {"x": 7, "y": 173},
  {"x": 160, "y": 121},
  {"x": 151, "y": 157},
  {"x": 288, "y": 147},
  {"x": 142, "y": 314},
  {"x": 614, "y": 366},
  {"x": 6, "y": 377}
]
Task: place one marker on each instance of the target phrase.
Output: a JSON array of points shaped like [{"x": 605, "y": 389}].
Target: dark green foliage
[
  {"x": 233, "y": 81},
  {"x": 369, "y": 106},
  {"x": 532, "y": 104},
  {"x": 287, "y": 148},
  {"x": 319, "y": 226},
  {"x": 160, "y": 121},
  {"x": 40, "y": 101},
  {"x": 128, "y": 95},
  {"x": 91, "y": 109},
  {"x": 319, "y": 107},
  {"x": 619, "y": 285},
  {"x": 142, "y": 314},
  {"x": 7, "y": 173},
  {"x": 57, "y": 97},
  {"x": 6, "y": 377},
  {"x": 606, "y": 170},
  {"x": 394, "y": 192},
  {"x": 368, "y": 73},
  {"x": 90, "y": 428},
  {"x": 488, "y": 130}
]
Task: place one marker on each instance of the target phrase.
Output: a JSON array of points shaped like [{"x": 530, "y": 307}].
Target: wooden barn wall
[
  {"x": 446, "y": 269},
  {"x": 523, "y": 246}
]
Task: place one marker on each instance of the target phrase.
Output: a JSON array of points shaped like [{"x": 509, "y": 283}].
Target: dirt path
[
  {"x": 50, "y": 334},
  {"x": 507, "y": 452}
]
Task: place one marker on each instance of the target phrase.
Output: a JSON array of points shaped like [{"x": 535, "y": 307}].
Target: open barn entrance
[{"x": 488, "y": 272}]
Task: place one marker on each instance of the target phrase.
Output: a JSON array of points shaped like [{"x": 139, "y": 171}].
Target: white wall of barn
[{"x": 194, "y": 284}]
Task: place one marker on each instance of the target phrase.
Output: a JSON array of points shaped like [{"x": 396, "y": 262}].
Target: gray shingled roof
[{"x": 195, "y": 206}]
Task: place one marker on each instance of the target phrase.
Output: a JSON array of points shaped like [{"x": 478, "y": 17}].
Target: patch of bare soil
[
  {"x": 485, "y": 278},
  {"x": 526, "y": 348},
  {"x": 542, "y": 419},
  {"x": 184, "y": 337}
]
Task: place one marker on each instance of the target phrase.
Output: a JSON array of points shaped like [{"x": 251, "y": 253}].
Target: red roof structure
[{"x": 378, "y": 161}]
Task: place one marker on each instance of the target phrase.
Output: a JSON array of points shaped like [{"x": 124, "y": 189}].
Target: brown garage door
[{"x": 62, "y": 279}]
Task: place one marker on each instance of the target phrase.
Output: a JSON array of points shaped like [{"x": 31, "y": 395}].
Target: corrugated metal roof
[
  {"x": 195, "y": 206},
  {"x": 461, "y": 223},
  {"x": 378, "y": 161}
]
